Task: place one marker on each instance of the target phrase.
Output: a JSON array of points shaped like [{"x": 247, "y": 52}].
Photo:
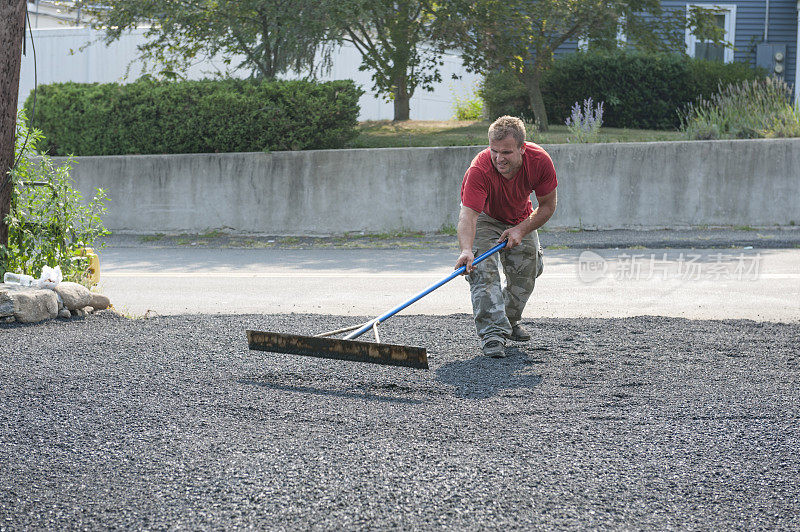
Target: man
[{"x": 496, "y": 206}]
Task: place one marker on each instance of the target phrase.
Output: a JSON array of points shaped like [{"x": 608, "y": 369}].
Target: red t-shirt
[{"x": 484, "y": 189}]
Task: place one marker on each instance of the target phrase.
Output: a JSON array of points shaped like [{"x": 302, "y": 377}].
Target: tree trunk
[
  {"x": 532, "y": 77},
  {"x": 402, "y": 99},
  {"x": 12, "y": 33}
]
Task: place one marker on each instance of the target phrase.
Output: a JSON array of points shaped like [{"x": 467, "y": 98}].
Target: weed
[
  {"x": 216, "y": 233},
  {"x": 746, "y": 110},
  {"x": 49, "y": 222},
  {"x": 468, "y": 108},
  {"x": 151, "y": 238},
  {"x": 449, "y": 229}
]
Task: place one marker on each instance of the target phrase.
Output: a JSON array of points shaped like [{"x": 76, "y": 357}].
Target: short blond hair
[{"x": 505, "y": 126}]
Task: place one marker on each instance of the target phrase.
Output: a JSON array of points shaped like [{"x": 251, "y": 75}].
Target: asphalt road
[
  {"x": 757, "y": 284},
  {"x": 171, "y": 423}
]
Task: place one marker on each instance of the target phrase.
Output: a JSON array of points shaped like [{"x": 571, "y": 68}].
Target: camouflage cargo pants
[{"x": 497, "y": 308}]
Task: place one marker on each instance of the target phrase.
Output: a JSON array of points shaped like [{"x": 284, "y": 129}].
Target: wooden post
[{"x": 12, "y": 34}]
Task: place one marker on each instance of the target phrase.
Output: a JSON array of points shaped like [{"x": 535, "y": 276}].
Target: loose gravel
[{"x": 170, "y": 422}]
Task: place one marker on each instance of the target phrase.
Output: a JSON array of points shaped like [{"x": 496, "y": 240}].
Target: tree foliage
[
  {"x": 398, "y": 42},
  {"x": 521, "y": 36},
  {"x": 268, "y": 37}
]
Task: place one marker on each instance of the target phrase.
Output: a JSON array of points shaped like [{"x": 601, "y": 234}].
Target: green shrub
[
  {"x": 49, "y": 222},
  {"x": 639, "y": 90},
  {"x": 707, "y": 76},
  {"x": 503, "y": 94},
  {"x": 746, "y": 110},
  {"x": 196, "y": 116},
  {"x": 468, "y": 108}
]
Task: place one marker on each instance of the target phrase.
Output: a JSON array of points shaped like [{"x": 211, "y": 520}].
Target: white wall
[{"x": 64, "y": 55}]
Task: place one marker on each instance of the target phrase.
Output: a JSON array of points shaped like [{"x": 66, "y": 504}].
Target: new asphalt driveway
[{"x": 171, "y": 423}]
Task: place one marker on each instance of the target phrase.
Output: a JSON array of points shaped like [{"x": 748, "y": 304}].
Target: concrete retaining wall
[{"x": 633, "y": 185}]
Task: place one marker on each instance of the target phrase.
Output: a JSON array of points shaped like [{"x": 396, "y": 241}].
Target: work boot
[
  {"x": 494, "y": 349},
  {"x": 519, "y": 334}
]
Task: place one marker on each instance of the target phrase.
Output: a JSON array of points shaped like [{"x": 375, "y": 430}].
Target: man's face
[{"x": 506, "y": 156}]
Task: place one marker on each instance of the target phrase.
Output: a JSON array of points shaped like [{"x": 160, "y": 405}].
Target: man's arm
[
  {"x": 467, "y": 223},
  {"x": 540, "y": 215}
]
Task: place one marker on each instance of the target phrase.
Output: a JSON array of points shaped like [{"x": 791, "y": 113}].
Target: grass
[{"x": 419, "y": 133}]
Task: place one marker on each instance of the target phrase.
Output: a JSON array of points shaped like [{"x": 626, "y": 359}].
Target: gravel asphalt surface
[{"x": 170, "y": 422}]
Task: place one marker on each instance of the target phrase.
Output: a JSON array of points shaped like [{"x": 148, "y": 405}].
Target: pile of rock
[{"x": 31, "y": 305}]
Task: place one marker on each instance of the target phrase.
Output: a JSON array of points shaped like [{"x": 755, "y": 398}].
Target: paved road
[{"x": 758, "y": 284}]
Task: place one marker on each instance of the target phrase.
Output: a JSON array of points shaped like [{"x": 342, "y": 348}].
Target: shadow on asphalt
[
  {"x": 365, "y": 395},
  {"x": 483, "y": 377}
]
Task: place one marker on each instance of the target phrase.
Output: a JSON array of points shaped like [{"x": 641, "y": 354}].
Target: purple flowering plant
[{"x": 585, "y": 121}]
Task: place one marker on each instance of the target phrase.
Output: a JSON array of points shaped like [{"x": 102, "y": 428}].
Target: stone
[
  {"x": 75, "y": 296},
  {"x": 78, "y": 313},
  {"x": 10, "y": 319},
  {"x": 6, "y": 304},
  {"x": 100, "y": 302},
  {"x": 64, "y": 313},
  {"x": 34, "y": 305}
]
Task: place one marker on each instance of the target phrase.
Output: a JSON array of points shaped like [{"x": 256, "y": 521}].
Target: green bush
[
  {"x": 468, "y": 108},
  {"x": 746, "y": 110},
  {"x": 195, "y": 116},
  {"x": 639, "y": 90},
  {"x": 49, "y": 222},
  {"x": 708, "y": 76}
]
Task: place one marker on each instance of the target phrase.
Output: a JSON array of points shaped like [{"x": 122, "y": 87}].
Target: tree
[
  {"x": 268, "y": 37},
  {"x": 398, "y": 42},
  {"x": 521, "y": 36},
  {"x": 396, "y": 39},
  {"x": 12, "y": 34}
]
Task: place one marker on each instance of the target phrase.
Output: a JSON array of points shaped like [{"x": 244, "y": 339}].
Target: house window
[{"x": 724, "y": 19}]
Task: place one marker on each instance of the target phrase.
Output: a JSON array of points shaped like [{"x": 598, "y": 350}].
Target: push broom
[{"x": 348, "y": 348}]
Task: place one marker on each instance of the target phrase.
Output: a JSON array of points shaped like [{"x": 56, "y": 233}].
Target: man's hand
[
  {"x": 465, "y": 259},
  {"x": 514, "y": 235}
]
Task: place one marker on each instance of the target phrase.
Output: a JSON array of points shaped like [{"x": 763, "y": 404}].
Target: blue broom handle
[{"x": 456, "y": 273}]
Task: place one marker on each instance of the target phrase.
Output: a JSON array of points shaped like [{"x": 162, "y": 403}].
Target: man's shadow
[{"x": 483, "y": 377}]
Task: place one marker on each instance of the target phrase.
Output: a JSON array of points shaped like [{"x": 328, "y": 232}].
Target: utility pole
[{"x": 12, "y": 34}]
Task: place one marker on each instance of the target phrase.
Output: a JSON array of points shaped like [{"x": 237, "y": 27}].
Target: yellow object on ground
[{"x": 94, "y": 264}]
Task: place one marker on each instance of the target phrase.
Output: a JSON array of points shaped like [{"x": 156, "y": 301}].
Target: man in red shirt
[{"x": 496, "y": 206}]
